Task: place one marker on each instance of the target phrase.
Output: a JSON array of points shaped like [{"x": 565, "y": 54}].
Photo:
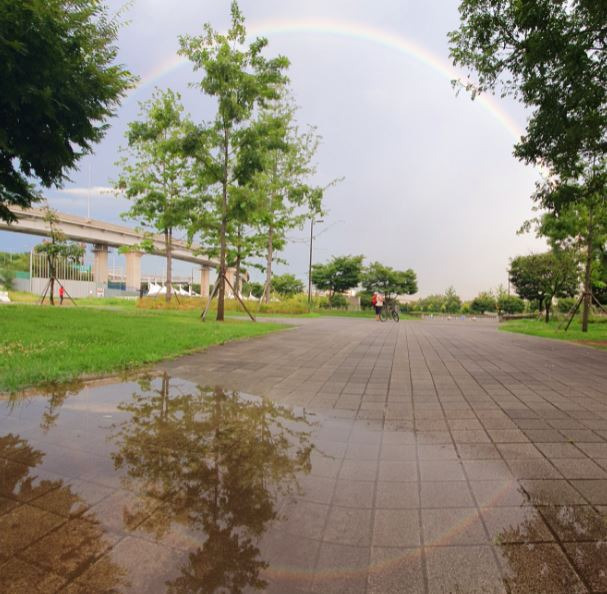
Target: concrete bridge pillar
[
  {"x": 205, "y": 280},
  {"x": 133, "y": 270},
  {"x": 100, "y": 269}
]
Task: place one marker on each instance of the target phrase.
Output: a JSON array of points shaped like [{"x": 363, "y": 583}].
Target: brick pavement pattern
[
  {"x": 463, "y": 459},
  {"x": 448, "y": 457}
]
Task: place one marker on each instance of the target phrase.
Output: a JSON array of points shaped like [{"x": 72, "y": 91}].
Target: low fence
[{"x": 74, "y": 288}]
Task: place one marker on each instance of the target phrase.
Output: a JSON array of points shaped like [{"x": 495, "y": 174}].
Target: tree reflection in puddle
[
  {"x": 56, "y": 394},
  {"x": 43, "y": 541},
  {"x": 555, "y": 548},
  {"x": 220, "y": 462}
]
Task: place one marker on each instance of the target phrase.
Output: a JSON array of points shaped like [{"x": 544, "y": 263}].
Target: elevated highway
[{"x": 104, "y": 235}]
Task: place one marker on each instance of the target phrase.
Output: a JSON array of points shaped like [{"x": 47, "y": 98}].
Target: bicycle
[{"x": 389, "y": 310}]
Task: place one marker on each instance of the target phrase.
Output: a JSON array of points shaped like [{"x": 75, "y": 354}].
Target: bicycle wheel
[
  {"x": 395, "y": 315},
  {"x": 383, "y": 316}
]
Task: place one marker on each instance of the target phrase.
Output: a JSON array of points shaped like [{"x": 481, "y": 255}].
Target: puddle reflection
[
  {"x": 219, "y": 462},
  {"x": 157, "y": 485},
  {"x": 201, "y": 472}
]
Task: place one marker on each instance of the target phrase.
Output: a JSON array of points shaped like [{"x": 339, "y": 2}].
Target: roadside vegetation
[
  {"x": 57, "y": 344},
  {"x": 596, "y": 335}
]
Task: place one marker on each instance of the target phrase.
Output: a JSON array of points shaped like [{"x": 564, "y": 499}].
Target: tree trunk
[
  {"x": 51, "y": 269},
  {"x": 222, "y": 231},
  {"x": 238, "y": 263},
  {"x": 588, "y": 276},
  {"x": 269, "y": 257},
  {"x": 547, "y": 311},
  {"x": 168, "y": 242}
]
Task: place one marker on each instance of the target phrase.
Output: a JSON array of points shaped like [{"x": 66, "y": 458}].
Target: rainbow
[
  {"x": 401, "y": 558},
  {"x": 357, "y": 31}
]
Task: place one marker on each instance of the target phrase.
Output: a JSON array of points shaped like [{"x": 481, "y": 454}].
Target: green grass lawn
[
  {"x": 596, "y": 335},
  {"x": 49, "y": 344}
]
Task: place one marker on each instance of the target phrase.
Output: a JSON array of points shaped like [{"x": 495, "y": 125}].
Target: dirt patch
[{"x": 600, "y": 344}]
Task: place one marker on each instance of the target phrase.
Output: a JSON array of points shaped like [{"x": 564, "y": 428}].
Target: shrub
[
  {"x": 338, "y": 301},
  {"x": 7, "y": 279},
  {"x": 483, "y": 302},
  {"x": 286, "y": 285},
  {"x": 565, "y": 304},
  {"x": 510, "y": 304},
  {"x": 365, "y": 299}
]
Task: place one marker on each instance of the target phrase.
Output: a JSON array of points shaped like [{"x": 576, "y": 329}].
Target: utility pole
[{"x": 312, "y": 221}]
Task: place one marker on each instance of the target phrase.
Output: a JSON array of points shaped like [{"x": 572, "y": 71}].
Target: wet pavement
[{"x": 339, "y": 456}]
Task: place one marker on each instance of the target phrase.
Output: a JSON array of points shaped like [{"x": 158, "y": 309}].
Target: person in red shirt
[
  {"x": 378, "y": 303},
  {"x": 61, "y": 294}
]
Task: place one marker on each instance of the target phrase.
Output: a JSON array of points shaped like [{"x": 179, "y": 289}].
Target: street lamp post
[{"x": 312, "y": 221}]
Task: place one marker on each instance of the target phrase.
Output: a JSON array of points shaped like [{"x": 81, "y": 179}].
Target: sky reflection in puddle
[{"x": 159, "y": 485}]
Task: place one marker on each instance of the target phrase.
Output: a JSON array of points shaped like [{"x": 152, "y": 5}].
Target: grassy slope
[
  {"x": 42, "y": 344},
  {"x": 597, "y": 331}
]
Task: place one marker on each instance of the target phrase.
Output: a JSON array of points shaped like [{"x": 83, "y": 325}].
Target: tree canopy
[
  {"x": 157, "y": 176},
  {"x": 551, "y": 55},
  {"x": 338, "y": 275},
  {"x": 60, "y": 82},
  {"x": 386, "y": 280},
  {"x": 541, "y": 277},
  {"x": 240, "y": 79},
  {"x": 287, "y": 285}
]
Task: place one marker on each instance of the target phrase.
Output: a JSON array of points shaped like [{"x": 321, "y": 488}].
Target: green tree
[
  {"x": 282, "y": 182},
  {"x": 252, "y": 288},
  {"x": 453, "y": 302},
  {"x": 240, "y": 78},
  {"x": 386, "y": 280},
  {"x": 60, "y": 82},
  {"x": 338, "y": 275},
  {"x": 16, "y": 262},
  {"x": 484, "y": 301},
  {"x": 543, "y": 277},
  {"x": 7, "y": 278},
  {"x": 577, "y": 219},
  {"x": 510, "y": 304},
  {"x": 287, "y": 285},
  {"x": 551, "y": 55},
  {"x": 599, "y": 281},
  {"x": 157, "y": 176},
  {"x": 431, "y": 303},
  {"x": 56, "y": 248}
]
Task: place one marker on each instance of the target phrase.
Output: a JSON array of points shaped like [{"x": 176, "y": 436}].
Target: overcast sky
[{"x": 430, "y": 180}]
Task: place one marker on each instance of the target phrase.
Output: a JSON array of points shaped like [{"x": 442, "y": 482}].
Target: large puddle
[{"x": 158, "y": 485}]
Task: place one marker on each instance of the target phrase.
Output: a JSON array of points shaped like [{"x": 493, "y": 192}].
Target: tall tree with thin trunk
[
  {"x": 576, "y": 218},
  {"x": 241, "y": 79},
  {"x": 157, "y": 176},
  {"x": 286, "y": 198},
  {"x": 56, "y": 249}
]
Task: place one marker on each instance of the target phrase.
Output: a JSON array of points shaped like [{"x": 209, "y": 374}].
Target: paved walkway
[
  {"x": 426, "y": 457},
  {"x": 464, "y": 459}
]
